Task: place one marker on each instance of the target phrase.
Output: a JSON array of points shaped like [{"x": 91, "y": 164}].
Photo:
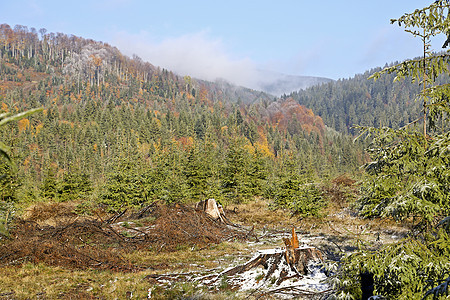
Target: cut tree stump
[
  {"x": 212, "y": 208},
  {"x": 280, "y": 264},
  {"x": 273, "y": 259}
]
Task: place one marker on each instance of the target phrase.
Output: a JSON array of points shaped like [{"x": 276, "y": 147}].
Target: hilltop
[{"x": 280, "y": 84}]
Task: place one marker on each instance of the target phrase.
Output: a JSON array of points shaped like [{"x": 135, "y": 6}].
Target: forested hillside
[
  {"x": 122, "y": 131},
  {"x": 358, "y": 101}
]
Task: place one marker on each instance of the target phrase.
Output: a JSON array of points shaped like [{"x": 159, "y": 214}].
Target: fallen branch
[
  {"x": 115, "y": 217},
  {"x": 292, "y": 291},
  {"x": 141, "y": 213}
]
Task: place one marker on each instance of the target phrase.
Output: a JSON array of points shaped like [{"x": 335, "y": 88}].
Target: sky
[{"x": 232, "y": 39}]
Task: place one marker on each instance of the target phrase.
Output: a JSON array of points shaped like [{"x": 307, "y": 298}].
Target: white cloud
[{"x": 197, "y": 55}]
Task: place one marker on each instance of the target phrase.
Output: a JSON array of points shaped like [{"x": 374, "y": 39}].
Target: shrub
[{"x": 300, "y": 197}]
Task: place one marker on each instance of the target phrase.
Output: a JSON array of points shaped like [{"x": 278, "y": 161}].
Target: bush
[
  {"x": 123, "y": 188},
  {"x": 302, "y": 198}
]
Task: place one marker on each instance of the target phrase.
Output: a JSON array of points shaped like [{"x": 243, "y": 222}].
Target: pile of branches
[
  {"x": 96, "y": 243},
  {"x": 81, "y": 244},
  {"x": 183, "y": 225}
]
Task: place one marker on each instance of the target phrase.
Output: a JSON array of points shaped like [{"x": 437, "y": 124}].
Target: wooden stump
[
  {"x": 212, "y": 208},
  {"x": 281, "y": 264},
  {"x": 274, "y": 259}
]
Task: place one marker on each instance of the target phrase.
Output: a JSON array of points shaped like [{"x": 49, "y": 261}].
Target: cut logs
[{"x": 274, "y": 262}]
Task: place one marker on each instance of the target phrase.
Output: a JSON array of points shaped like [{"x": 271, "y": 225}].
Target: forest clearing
[{"x": 174, "y": 251}]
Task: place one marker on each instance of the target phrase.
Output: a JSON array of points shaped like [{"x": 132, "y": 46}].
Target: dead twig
[
  {"x": 332, "y": 228},
  {"x": 144, "y": 210},
  {"x": 61, "y": 229},
  {"x": 292, "y": 290},
  {"x": 115, "y": 217}
]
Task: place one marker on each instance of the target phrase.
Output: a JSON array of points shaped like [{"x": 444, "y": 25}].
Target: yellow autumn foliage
[
  {"x": 39, "y": 127},
  {"x": 4, "y": 107},
  {"x": 263, "y": 147},
  {"x": 249, "y": 148},
  {"x": 23, "y": 124}
]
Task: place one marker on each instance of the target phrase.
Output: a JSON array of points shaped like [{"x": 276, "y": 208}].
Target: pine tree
[
  {"x": 196, "y": 175},
  {"x": 49, "y": 185},
  {"x": 75, "y": 185},
  {"x": 408, "y": 178},
  {"x": 124, "y": 187},
  {"x": 235, "y": 174}
]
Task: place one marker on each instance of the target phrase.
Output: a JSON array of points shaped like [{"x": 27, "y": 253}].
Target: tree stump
[
  {"x": 274, "y": 262},
  {"x": 280, "y": 264},
  {"x": 212, "y": 208}
]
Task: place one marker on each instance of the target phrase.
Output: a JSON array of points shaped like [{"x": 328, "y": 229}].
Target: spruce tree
[{"x": 408, "y": 178}]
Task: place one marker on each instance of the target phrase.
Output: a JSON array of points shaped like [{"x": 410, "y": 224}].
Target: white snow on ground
[
  {"x": 254, "y": 279},
  {"x": 269, "y": 251}
]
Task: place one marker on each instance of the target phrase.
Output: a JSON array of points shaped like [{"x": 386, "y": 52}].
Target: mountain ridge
[{"x": 279, "y": 84}]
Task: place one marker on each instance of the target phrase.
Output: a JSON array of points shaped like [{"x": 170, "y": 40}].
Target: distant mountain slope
[
  {"x": 222, "y": 89},
  {"x": 345, "y": 103},
  {"x": 278, "y": 84}
]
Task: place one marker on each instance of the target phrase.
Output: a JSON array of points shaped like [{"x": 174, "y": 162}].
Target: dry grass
[
  {"x": 52, "y": 214},
  {"x": 31, "y": 281},
  {"x": 189, "y": 258},
  {"x": 337, "y": 221},
  {"x": 258, "y": 213},
  {"x": 37, "y": 281}
]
